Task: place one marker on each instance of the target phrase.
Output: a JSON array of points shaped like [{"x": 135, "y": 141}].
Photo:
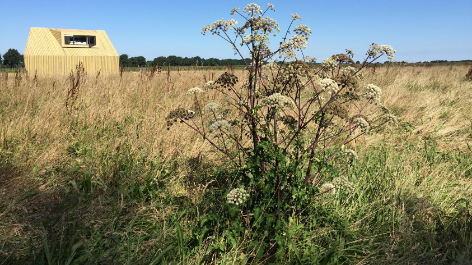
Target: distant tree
[
  {"x": 137, "y": 61},
  {"x": 12, "y": 58},
  {"x": 357, "y": 62},
  {"x": 1, "y": 59},
  {"x": 124, "y": 60}
]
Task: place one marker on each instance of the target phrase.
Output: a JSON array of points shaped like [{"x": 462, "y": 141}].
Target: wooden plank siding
[{"x": 46, "y": 54}]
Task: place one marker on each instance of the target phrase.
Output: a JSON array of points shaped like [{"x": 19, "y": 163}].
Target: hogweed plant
[{"x": 285, "y": 125}]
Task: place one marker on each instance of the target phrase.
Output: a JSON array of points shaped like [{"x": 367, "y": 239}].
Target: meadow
[{"x": 91, "y": 175}]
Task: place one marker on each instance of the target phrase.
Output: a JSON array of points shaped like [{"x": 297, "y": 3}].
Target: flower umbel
[
  {"x": 237, "y": 196},
  {"x": 373, "y": 92},
  {"x": 278, "y": 100},
  {"x": 362, "y": 124},
  {"x": 211, "y": 107},
  {"x": 194, "y": 90}
]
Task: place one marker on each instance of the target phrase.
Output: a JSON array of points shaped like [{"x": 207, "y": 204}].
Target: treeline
[
  {"x": 12, "y": 59},
  {"x": 178, "y": 61}
]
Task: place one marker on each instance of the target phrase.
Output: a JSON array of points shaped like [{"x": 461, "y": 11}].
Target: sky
[{"x": 419, "y": 30}]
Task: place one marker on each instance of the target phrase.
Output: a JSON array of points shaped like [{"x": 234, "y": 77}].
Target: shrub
[{"x": 284, "y": 126}]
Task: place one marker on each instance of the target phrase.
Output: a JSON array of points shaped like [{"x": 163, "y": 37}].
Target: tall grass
[{"x": 107, "y": 182}]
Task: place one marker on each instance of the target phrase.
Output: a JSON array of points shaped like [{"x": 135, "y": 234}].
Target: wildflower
[
  {"x": 349, "y": 70},
  {"x": 278, "y": 100},
  {"x": 329, "y": 63},
  {"x": 271, "y": 6},
  {"x": 327, "y": 186},
  {"x": 209, "y": 85},
  {"x": 351, "y": 154},
  {"x": 191, "y": 112},
  {"x": 219, "y": 125},
  {"x": 382, "y": 49},
  {"x": 390, "y": 118},
  {"x": 303, "y": 30},
  {"x": 194, "y": 91},
  {"x": 310, "y": 59},
  {"x": 362, "y": 124},
  {"x": 296, "y": 17},
  {"x": 237, "y": 196},
  {"x": 252, "y": 9},
  {"x": 350, "y": 53},
  {"x": 373, "y": 92},
  {"x": 343, "y": 182},
  {"x": 234, "y": 10},
  {"x": 211, "y": 107},
  {"x": 328, "y": 83}
]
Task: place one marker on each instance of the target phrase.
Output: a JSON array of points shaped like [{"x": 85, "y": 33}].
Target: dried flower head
[
  {"x": 362, "y": 124},
  {"x": 329, "y": 84},
  {"x": 303, "y": 30},
  {"x": 373, "y": 92},
  {"x": 350, "y": 53},
  {"x": 277, "y": 100},
  {"x": 237, "y": 196},
  {"x": 211, "y": 107},
  {"x": 271, "y": 6},
  {"x": 194, "y": 90}
]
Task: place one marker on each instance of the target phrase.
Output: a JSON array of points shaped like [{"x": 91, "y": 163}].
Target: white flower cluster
[
  {"x": 194, "y": 90},
  {"x": 209, "y": 85},
  {"x": 219, "y": 25},
  {"x": 303, "y": 30},
  {"x": 351, "y": 154},
  {"x": 349, "y": 70},
  {"x": 277, "y": 100},
  {"x": 310, "y": 59},
  {"x": 373, "y": 92},
  {"x": 287, "y": 49},
  {"x": 219, "y": 125},
  {"x": 329, "y": 63},
  {"x": 252, "y": 9},
  {"x": 191, "y": 112},
  {"x": 271, "y": 6},
  {"x": 343, "y": 182},
  {"x": 328, "y": 83},
  {"x": 327, "y": 186},
  {"x": 382, "y": 49},
  {"x": 234, "y": 10},
  {"x": 211, "y": 107},
  {"x": 296, "y": 17},
  {"x": 237, "y": 196},
  {"x": 390, "y": 118},
  {"x": 363, "y": 124}
]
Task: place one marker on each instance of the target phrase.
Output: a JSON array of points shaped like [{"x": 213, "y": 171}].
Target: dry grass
[{"x": 37, "y": 135}]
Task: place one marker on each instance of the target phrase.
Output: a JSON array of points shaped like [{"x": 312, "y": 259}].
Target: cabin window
[{"x": 80, "y": 40}]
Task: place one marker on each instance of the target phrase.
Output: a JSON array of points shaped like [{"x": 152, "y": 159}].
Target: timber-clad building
[{"x": 51, "y": 52}]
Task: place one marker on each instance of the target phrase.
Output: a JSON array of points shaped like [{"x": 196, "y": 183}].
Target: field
[{"x": 95, "y": 176}]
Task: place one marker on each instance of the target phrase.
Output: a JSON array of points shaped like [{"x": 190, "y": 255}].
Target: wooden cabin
[{"x": 52, "y": 52}]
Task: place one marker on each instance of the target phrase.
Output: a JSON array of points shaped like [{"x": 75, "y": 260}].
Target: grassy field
[{"x": 96, "y": 177}]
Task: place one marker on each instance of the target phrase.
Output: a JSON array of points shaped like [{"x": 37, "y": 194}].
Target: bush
[{"x": 284, "y": 128}]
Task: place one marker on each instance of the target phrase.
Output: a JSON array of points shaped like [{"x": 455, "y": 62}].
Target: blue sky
[{"x": 419, "y": 30}]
